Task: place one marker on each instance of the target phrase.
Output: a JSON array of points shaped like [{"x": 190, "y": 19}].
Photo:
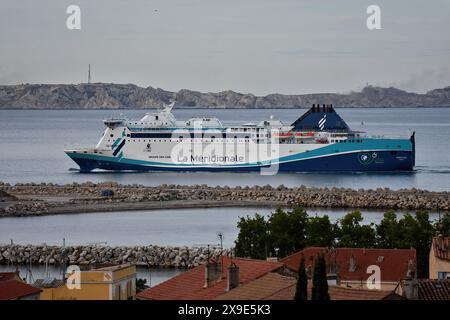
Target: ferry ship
[{"x": 319, "y": 140}]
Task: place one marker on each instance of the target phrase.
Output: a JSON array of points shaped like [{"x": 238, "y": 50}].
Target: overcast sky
[{"x": 257, "y": 46}]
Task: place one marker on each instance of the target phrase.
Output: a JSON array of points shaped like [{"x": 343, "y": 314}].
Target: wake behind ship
[{"x": 319, "y": 140}]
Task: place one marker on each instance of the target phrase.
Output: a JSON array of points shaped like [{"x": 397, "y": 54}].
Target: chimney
[
  {"x": 233, "y": 277},
  {"x": 212, "y": 273},
  {"x": 410, "y": 288}
]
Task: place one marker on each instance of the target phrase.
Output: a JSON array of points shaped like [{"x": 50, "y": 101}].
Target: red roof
[
  {"x": 336, "y": 293},
  {"x": 352, "y": 263},
  {"x": 274, "y": 286},
  {"x": 4, "y": 276},
  {"x": 434, "y": 289},
  {"x": 441, "y": 247},
  {"x": 16, "y": 289},
  {"x": 190, "y": 284}
]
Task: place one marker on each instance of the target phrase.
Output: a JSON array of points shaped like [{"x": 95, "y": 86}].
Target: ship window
[
  {"x": 156, "y": 117},
  {"x": 111, "y": 135}
]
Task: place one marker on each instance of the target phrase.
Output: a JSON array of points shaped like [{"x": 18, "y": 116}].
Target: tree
[
  {"x": 353, "y": 234},
  {"x": 288, "y": 230},
  {"x": 141, "y": 285},
  {"x": 253, "y": 239},
  {"x": 301, "y": 291},
  {"x": 388, "y": 231},
  {"x": 417, "y": 232},
  {"x": 320, "y": 232},
  {"x": 423, "y": 240},
  {"x": 320, "y": 283},
  {"x": 445, "y": 225}
]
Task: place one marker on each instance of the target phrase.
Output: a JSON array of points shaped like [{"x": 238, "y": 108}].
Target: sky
[{"x": 249, "y": 46}]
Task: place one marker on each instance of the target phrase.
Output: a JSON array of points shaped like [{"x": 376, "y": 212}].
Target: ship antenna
[{"x": 89, "y": 74}]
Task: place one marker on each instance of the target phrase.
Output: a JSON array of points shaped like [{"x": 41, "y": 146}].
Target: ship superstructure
[{"x": 319, "y": 140}]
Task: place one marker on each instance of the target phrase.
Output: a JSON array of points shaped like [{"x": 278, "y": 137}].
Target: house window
[{"x": 443, "y": 275}]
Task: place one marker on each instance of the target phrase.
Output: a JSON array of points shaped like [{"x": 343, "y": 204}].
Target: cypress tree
[
  {"x": 320, "y": 284},
  {"x": 301, "y": 292}
]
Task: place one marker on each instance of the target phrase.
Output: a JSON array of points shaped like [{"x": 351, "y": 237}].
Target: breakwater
[
  {"x": 152, "y": 256},
  {"x": 40, "y": 198}
]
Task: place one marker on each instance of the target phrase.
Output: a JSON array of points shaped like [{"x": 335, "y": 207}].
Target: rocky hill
[{"x": 118, "y": 96}]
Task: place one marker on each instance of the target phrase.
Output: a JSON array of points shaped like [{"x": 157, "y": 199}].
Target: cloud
[{"x": 425, "y": 80}]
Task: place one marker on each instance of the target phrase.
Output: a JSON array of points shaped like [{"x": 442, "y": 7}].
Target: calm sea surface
[
  {"x": 180, "y": 227},
  {"x": 32, "y": 144}
]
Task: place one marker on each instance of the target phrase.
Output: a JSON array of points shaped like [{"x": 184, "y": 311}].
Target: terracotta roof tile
[
  {"x": 274, "y": 286},
  {"x": 336, "y": 293},
  {"x": 394, "y": 263},
  {"x": 434, "y": 289},
  {"x": 15, "y": 289},
  {"x": 260, "y": 288},
  {"x": 441, "y": 247},
  {"x": 190, "y": 284},
  {"x": 4, "y": 276}
]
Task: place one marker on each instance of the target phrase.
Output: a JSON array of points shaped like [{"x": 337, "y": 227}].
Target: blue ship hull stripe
[{"x": 119, "y": 148}]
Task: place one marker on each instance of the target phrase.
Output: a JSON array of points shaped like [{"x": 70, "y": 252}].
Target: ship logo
[
  {"x": 366, "y": 158},
  {"x": 322, "y": 122}
]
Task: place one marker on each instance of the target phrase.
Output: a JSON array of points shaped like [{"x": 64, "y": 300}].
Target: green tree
[
  {"x": 301, "y": 291},
  {"x": 417, "y": 232},
  {"x": 320, "y": 283},
  {"x": 141, "y": 285},
  {"x": 253, "y": 238},
  {"x": 423, "y": 242},
  {"x": 288, "y": 230},
  {"x": 353, "y": 234},
  {"x": 445, "y": 225},
  {"x": 388, "y": 231},
  {"x": 320, "y": 232}
]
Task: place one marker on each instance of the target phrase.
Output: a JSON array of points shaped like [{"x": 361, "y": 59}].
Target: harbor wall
[{"x": 151, "y": 255}]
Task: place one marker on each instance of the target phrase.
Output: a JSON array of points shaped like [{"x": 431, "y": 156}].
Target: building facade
[
  {"x": 440, "y": 258},
  {"x": 113, "y": 282}
]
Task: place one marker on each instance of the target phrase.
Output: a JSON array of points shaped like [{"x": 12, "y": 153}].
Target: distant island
[{"x": 130, "y": 96}]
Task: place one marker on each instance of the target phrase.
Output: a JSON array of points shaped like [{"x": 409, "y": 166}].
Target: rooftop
[
  {"x": 351, "y": 263},
  {"x": 441, "y": 247},
  {"x": 15, "y": 289},
  {"x": 4, "y": 276},
  {"x": 261, "y": 288},
  {"x": 190, "y": 284},
  {"x": 110, "y": 267},
  {"x": 274, "y": 286},
  {"x": 434, "y": 289},
  {"x": 48, "y": 283}
]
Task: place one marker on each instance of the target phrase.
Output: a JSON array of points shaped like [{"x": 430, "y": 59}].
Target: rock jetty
[
  {"x": 153, "y": 256},
  {"x": 38, "y": 197}
]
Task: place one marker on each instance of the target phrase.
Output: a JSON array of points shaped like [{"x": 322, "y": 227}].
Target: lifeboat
[
  {"x": 304, "y": 134},
  {"x": 283, "y": 135}
]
